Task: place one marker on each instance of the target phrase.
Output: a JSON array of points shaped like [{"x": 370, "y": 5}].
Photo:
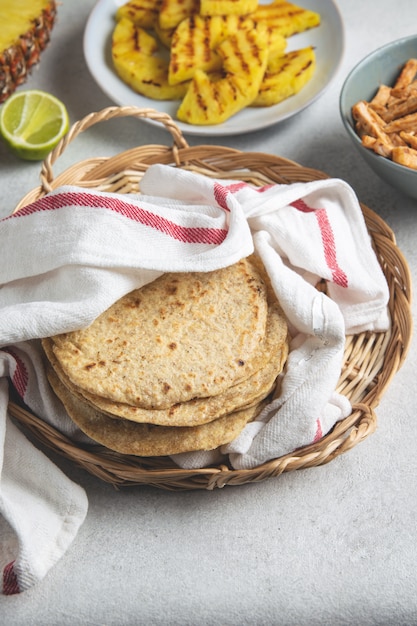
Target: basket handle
[{"x": 104, "y": 115}]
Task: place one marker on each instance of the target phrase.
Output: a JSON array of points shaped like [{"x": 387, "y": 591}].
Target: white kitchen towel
[
  {"x": 43, "y": 508},
  {"x": 69, "y": 255},
  {"x": 302, "y": 232}
]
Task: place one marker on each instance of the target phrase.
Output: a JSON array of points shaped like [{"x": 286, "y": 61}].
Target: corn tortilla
[
  {"x": 127, "y": 437},
  {"x": 183, "y": 336}
]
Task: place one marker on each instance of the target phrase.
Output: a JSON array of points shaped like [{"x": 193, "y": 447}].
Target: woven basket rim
[{"x": 371, "y": 359}]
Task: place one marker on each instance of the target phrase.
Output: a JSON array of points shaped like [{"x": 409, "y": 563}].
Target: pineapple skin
[{"x": 17, "y": 59}]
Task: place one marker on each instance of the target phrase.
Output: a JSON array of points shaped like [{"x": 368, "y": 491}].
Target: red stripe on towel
[
  {"x": 10, "y": 583},
  {"x": 220, "y": 195},
  {"x": 20, "y": 377},
  {"x": 338, "y": 275},
  {"x": 234, "y": 187},
  {"x": 319, "y": 432},
  {"x": 131, "y": 211},
  {"x": 222, "y": 191}
]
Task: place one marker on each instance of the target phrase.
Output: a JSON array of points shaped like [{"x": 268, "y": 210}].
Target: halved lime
[{"x": 32, "y": 122}]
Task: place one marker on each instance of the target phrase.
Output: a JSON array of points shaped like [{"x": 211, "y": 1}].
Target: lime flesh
[{"x": 32, "y": 123}]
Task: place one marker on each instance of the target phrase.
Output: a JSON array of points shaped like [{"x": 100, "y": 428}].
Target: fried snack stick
[
  {"x": 405, "y": 156},
  {"x": 398, "y": 109},
  {"x": 387, "y": 124},
  {"x": 399, "y": 100},
  {"x": 407, "y": 123},
  {"x": 409, "y": 138},
  {"x": 371, "y": 128},
  {"x": 369, "y": 122},
  {"x": 406, "y": 77},
  {"x": 406, "y": 92},
  {"x": 379, "y": 146},
  {"x": 381, "y": 98}
]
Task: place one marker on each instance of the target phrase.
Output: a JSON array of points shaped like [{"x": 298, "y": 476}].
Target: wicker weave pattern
[{"x": 371, "y": 360}]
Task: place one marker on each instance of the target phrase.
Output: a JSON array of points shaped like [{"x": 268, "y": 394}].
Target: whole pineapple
[{"x": 25, "y": 31}]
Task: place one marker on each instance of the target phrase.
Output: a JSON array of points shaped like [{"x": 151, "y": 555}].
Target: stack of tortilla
[{"x": 180, "y": 365}]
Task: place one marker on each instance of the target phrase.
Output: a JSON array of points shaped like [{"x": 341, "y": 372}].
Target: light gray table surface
[{"x": 333, "y": 545}]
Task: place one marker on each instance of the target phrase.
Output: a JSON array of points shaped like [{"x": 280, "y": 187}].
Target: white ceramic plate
[{"x": 328, "y": 40}]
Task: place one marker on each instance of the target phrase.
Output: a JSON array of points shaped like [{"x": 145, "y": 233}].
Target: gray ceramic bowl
[{"x": 380, "y": 67}]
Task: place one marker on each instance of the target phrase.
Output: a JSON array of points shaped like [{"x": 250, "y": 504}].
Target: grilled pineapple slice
[
  {"x": 194, "y": 43},
  {"x": 227, "y": 7},
  {"x": 172, "y": 12},
  {"x": 193, "y": 46},
  {"x": 136, "y": 60},
  {"x": 143, "y": 13},
  {"x": 285, "y": 76},
  {"x": 244, "y": 55},
  {"x": 25, "y": 32},
  {"x": 224, "y": 55},
  {"x": 277, "y": 44},
  {"x": 164, "y": 35},
  {"x": 286, "y": 18}
]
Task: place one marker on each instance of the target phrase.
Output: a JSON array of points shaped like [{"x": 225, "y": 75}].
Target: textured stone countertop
[{"x": 332, "y": 545}]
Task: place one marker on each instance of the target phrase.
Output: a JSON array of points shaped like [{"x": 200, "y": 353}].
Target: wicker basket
[{"x": 371, "y": 359}]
